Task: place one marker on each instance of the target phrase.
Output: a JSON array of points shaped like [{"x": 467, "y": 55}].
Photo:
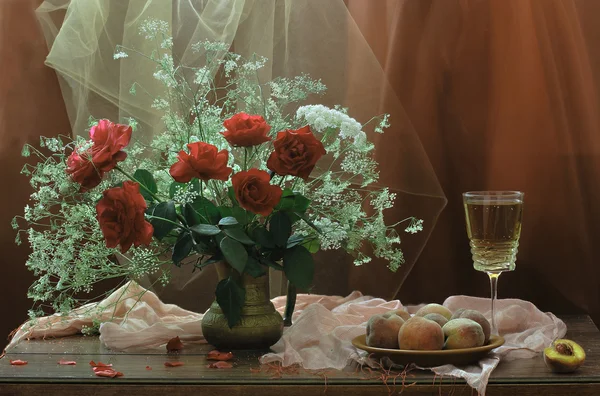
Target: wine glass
[{"x": 494, "y": 227}]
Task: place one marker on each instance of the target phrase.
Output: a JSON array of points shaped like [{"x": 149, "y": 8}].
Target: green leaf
[
  {"x": 231, "y": 298},
  {"x": 163, "y": 210},
  {"x": 295, "y": 240},
  {"x": 293, "y": 217},
  {"x": 299, "y": 266},
  {"x": 254, "y": 268},
  {"x": 287, "y": 200},
  {"x": 293, "y": 202},
  {"x": 146, "y": 179},
  {"x": 225, "y": 211},
  {"x": 228, "y": 221},
  {"x": 190, "y": 215},
  {"x": 203, "y": 207},
  {"x": 212, "y": 260},
  {"x": 264, "y": 238},
  {"x": 239, "y": 235},
  {"x": 281, "y": 228},
  {"x": 276, "y": 254},
  {"x": 312, "y": 246},
  {"x": 241, "y": 215},
  {"x": 195, "y": 185},
  {"x": 231, "y": 195},
  {"x": 270, "y": 263},
  {"x": 301, "y": 203},
  {"x": 206, "y": 229},
  {"x": 202, "y": 246},
  {"x": 182, "y": 248},
  {"x": 235, "y": 253}
]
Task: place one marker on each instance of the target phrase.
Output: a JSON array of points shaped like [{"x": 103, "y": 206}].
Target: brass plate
[{"x": 430, "y": 358}]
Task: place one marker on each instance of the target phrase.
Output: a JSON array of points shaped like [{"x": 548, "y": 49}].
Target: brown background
[{"x": 503, "y": 94}]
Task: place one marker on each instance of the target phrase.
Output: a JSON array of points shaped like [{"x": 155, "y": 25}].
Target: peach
[
  {"x": 564, "y": 356},
  {"x": 434, "y": 308},
  {"x": 400, "y": 312},
  {"x": 457, "y": 313},
  {"x": 437, "y": 318},
  {"x": 419, "y": 333},
  {"x": 463, "y": 333},
  {"x": 477, "y": 317},
  {"x": 382, "y": 332}
]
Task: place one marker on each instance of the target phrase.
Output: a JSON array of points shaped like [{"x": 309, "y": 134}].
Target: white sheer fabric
[{"x": 319, "y": 38}]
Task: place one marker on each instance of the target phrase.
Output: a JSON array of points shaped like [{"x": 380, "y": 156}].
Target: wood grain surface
[{"x": 145, "y": 373}]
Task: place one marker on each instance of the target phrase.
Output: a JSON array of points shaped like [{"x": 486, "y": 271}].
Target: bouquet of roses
[{"x": 235, "y": 177}]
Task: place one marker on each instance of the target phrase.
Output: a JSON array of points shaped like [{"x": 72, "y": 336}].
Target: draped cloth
[
  {"x": 134, "y": 319},
  {"x": 504, "y": 94},
  {"x": 300, "y": 36}
]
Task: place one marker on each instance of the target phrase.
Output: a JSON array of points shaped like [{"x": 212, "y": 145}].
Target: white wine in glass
[{"x": 494, "y": 227}]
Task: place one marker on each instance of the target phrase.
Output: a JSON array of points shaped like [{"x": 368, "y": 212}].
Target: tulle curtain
[
  {"x": 504, "y": 94},
  {"x": 319, "y": 38}
]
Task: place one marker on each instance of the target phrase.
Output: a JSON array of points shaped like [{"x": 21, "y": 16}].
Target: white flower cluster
[
  {"x": 154, "y": 28},
  {"x": 415, "y": 226},
  {"x": 203, "y": 77},
  {"x": 120, "y": 55},
  {"x": 141, "y": 261},
  {"x": 184, "y": 196},
  {"x": 332, "y": 233},
  {"x": 322, "y": 118},
  {"x": 160, "y": 104},
  {"x": 165, "y": 71}
]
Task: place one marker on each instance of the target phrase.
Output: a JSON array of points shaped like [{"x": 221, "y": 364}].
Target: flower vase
[{"x": 260, "y": 325}]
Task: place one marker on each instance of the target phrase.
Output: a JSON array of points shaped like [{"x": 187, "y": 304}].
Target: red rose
[
  {"x": 83, "y": 171},
  {"x": 120, "y": 213},
  {"x": 254, "y": 192},
  {"x": 245, "y": 130},
  {"x": 109, "y": 139},
  {"x": 203, "y": 162},
  {"x": 296, "y": 153}
]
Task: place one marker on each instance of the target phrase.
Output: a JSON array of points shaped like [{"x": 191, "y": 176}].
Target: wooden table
[{"x": 146, "y": 374}]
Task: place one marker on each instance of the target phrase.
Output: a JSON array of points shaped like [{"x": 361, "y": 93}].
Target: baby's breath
[{"x": 69, "y": 255}]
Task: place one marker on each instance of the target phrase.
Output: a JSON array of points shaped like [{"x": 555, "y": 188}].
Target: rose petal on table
[
  {"x": 108, "y": 373},
  {"x": 148, "y": 368},
  {"x": 174, "y": 345},
  {"x": 99, "y": 364},
  {"x": 216, "y": 355},
  {"x": 18, "y": 362},
  {"x": 220, "y": 365},
  {"x": 63, "y": 362},
  {"x": 173, "y": 364}
]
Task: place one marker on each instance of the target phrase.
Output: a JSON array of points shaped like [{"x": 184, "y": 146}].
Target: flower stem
[
  {"x": 290, "y": 304},
  {"x": 180, "y": 217},
  {"x": 138, "y": 182}
]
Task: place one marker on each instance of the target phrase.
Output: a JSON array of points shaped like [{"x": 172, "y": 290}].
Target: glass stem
[{"x": 494, "y": 286}]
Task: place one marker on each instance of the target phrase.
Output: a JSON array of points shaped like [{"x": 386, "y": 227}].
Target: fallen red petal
[
  {"x": 148, "y": 368},
  {"x": 67, "y": 362},
  {"x": 108, "y": 373},
  {"x": 216, "y": 355},
  {"x": 220, "y": 365},
  {"x": 99, "y": 364},
  {"x": 173, "y": 364},
  {"x": 174, "y": 345},
  {"x": 18, "y": 362}
]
